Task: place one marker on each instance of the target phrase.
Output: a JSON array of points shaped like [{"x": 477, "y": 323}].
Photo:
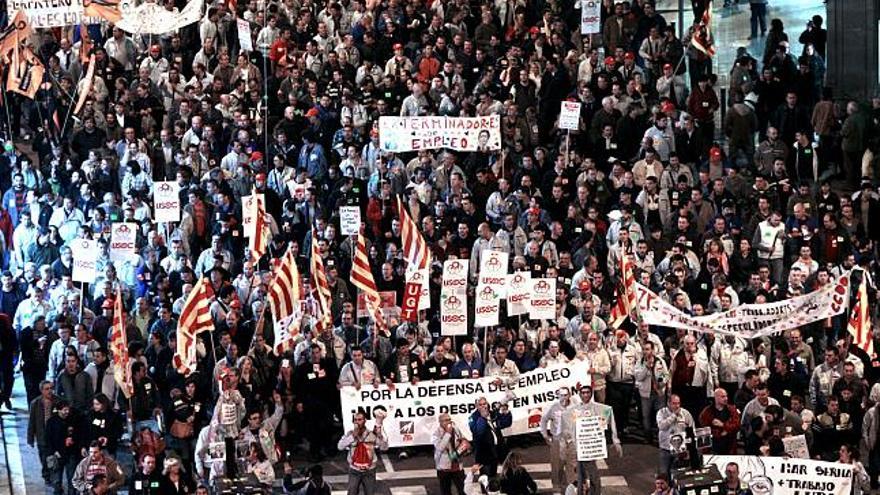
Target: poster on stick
[
  {"x": 122, "y": 241},
  {"x": 85, "y": 260},
  {"x": 590, "y": 439},
  {"x": 166, "y": 201}
]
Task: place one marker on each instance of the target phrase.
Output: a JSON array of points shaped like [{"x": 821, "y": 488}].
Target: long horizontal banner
[
  {"x": 750, "y": 320},
  {"x": 401, "y": 134},
  {"x": 792, "y": 476},
  {"x": 50, "y": 13},
  {"x": 412, "y": 410}
]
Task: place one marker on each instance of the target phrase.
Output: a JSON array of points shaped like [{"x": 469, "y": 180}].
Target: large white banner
[
  {"x": 152, "y": 18},
  {"x": 50, "y": 13},
  {"x": 750, "y": 320},
  {"x": 542, "y": 304},
  {"x": 453, "y": 298},
  {"x": 491, "y": 288},
  {"x": 780, "y": 476},
  {"x": 123, "y": 237},
  {"x": 519, "y": 288},
  {"x": 85, "y": 260},
  {"x": 400, "y": 134},
  {"x": 166, "y": 202},
  {"x": 412, "y": 410}
]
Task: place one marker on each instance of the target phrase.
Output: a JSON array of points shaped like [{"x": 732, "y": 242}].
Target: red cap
[
  {"x": 374, "y": 132},
  {"x": 534, "y": 211},
  {"x": 609, "y": 61},
  {"x": 715, "y": 153},
  {"x": 630, "y": 56},
  {"x": 107, "y": 304},
  {"x": 534, "y": 30},
  {"x": 667, "y": 66},
  {"x": 313, "y": 112},
  {"x": 397, "y": 46},
  {"x": 585, "y": 285},
  {"x": 667, "y": 107},
  {"x": 261, "y": 176},
  {"x": 256, "y": 156}
]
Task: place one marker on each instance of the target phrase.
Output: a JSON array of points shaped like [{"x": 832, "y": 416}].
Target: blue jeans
[
  {"x": 650, "y": 406},
  {"x": 759, "y": 15}
]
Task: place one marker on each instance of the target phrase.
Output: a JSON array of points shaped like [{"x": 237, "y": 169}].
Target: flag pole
[{"x": 6, "y": 108}]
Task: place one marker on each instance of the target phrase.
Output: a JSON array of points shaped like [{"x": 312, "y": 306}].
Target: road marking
[
  {"x": 13, "y": 450},
  {"x": 408, "y": 490},
  {"x": 386, "y": 462}
]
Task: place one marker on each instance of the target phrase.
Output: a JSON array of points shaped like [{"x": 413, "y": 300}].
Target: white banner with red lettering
[
  {"x": 411, "y": 411},
  {"x": 519, "y": 288},
  {"x": 401, "y": 134},
  {"x": 122, "y": 241},
  {"x": 453, "y": 298},
  {"x": 791, "y": 476},
  {"x": 491, "y": 288},
  {"x": 542, "y": 304},
  {"x": 750, "y": 320}
]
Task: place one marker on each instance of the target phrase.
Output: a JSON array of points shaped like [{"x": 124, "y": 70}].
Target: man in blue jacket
[{"x": 488, "y": 440}]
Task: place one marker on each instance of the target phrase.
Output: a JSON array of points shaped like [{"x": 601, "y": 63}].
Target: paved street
[{"x": 632, "y": 474}]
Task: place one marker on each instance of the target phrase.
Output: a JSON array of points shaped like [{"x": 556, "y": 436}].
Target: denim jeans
[{"x": 650, "y": 406}]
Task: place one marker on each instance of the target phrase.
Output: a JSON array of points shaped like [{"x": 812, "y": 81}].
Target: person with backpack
[{"x": 361, "y": 444}]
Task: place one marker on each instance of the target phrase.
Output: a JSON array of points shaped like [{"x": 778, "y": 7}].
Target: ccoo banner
[
  {"x": 412, "y": 410},
  {"x": 401, "y": 134},
  {"x": 792, "y": 476}
]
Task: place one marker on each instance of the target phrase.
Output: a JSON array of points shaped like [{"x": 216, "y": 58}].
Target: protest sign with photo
[
  {"x": 792, "y": 476},
  {"x": 401, "y": 134}
]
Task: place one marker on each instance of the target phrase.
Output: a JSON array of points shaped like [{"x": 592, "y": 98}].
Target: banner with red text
[
  {"x": 542, "y": 304},
  {"x": 122, "y": 241},
  {"x": 519, "y": 288},
  {"x": 453, "y": 298},
  {"x": 491, "y": 288}
]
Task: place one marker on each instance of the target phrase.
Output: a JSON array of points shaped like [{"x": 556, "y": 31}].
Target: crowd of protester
[{"x": 772, "y": 201}]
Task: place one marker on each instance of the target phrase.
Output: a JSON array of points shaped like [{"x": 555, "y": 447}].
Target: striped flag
[
  {"x": 362, "y": 278},
  {"x": 860, "y": 320},
  {"x": 415, "y": 249},
  {"x": 285, "y": 295},
  {"x": 118, "y": 344},
  {"x": 86, "y": 90},
  {"x": 324, "y": 318},
  {"x": 194, "y": 319},
  {"x": 626, "y": 296},
  {"x": 258, "y": 243},
  {"x": 702, "y": 38},
  {"x": 416, "y": 254}
]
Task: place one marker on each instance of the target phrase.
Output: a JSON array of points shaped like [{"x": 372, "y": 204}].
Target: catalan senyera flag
[
  {"x": 17, "y": 31},
  {"x": 105, "y": 9},
  {"x": 702, "y": 39},
  {"x": 860, "y": 320},
  {"x": 324, "y": 318},
  {"x": 626, "y": 297},
  {"x": 25, "y": 73},
  {"x": 362, "y": 278},
  {"x": 258, "y": 243},
  {"x": 118, "y": 344},
  {"x": 285, "y": 296},
  {"x": 415, "y": 249},
  {"x": 195, "y": 317}
]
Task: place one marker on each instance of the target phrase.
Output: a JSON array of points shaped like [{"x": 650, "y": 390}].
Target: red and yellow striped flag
[
  {"x": 324, "y": 317},
  {"x": 194, "y": 319},
  {"x": 860, "y": 320},
  {"x": 118, "y": 344},
  {"x": 362, "y": 278}
]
